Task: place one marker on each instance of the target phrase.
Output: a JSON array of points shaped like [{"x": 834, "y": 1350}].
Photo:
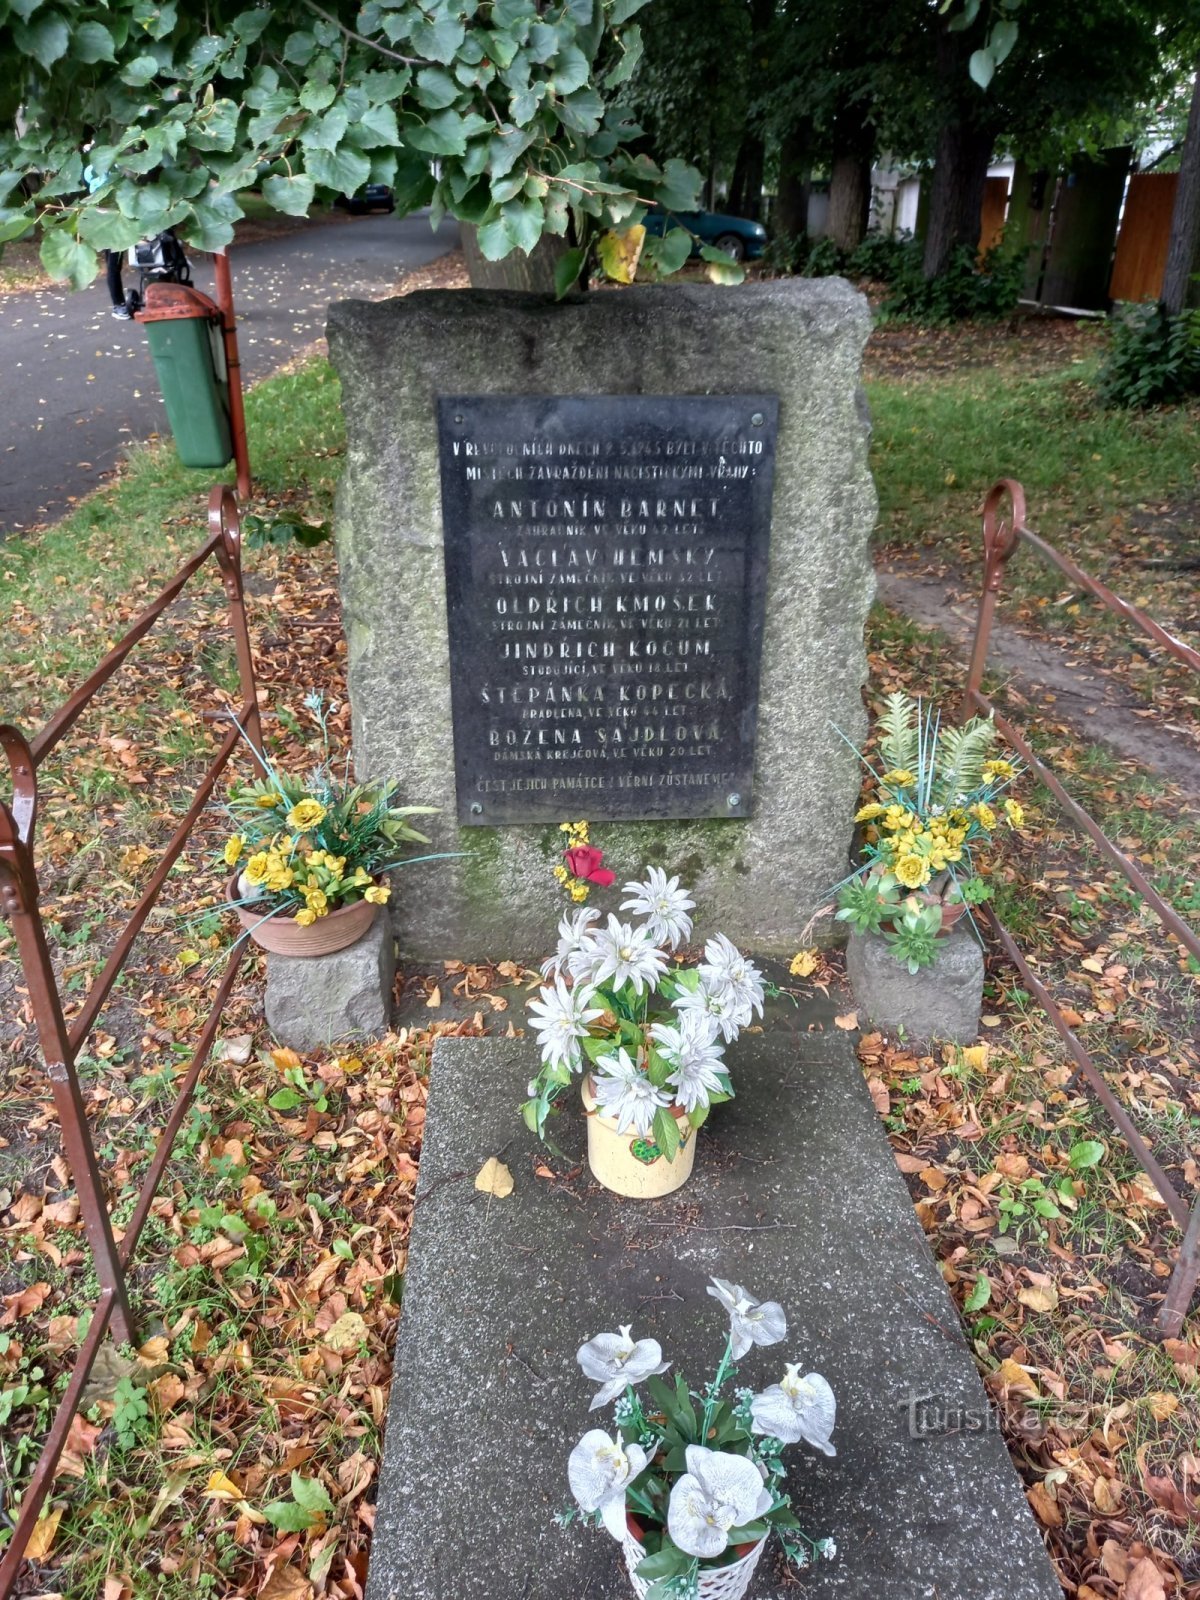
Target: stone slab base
[
  {"x": 796, "y": 1195},
  {"x": 321, "y": 1000},
  {"x": 939, "y": 1002}
]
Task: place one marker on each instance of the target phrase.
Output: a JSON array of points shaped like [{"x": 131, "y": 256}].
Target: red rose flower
[{"x": 584, "y": 862}]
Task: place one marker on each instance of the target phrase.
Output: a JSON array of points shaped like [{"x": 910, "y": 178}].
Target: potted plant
[
  {"x": 310, "y": 855},
  {"x": 647, "y": 1031},
  {"x": 690, "y": 1483},
  {"x": 934, "y": 806}
]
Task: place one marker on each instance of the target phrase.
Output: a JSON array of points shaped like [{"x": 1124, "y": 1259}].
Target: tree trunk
[
  {"x": 849, "y": 201},
  {"x": 789, "y": 219},
  {"x": 956, "y": 192},
  {"x": 1183, "y": 250},
  {"x": 533, "y": 272},
  {"x": 745, "y": 189}
]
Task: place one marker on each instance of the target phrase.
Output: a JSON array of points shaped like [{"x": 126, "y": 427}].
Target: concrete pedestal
[
  {"x": 321, "y": 1000},
  {"x": 796, "y": 1195},
  {"x": 939, "y": 1002}
]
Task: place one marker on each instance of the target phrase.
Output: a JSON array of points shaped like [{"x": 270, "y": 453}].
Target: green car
[{"x": 737, "y": 237}]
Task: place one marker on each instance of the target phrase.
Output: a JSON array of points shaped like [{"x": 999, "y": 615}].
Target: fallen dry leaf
[
  {"x": 42, "y": 1537},
  {"x": 1144, "y": 1582},
  {"x": 848, "y": 1022},
  {"x": 494, "y": 1178},
  {"x": 1039, "y": 1297},
  {"x": 286, "y": 1583},
  {"x": 347, "y": 1333}
]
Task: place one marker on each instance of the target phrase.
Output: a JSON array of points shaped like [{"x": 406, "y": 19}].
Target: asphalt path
[{"x": 77, "y": 387}]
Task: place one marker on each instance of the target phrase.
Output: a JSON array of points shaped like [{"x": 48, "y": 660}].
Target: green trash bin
[{"x": 184, "y": 330}]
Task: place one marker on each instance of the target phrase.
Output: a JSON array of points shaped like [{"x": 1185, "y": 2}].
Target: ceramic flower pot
[
  {"x": 284, "y": 936},
  {"x": 716, "y": 1583},
  {"x": 632, "y": 1166}
]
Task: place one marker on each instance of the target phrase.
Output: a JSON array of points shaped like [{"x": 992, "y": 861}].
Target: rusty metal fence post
[
  {"x": 60, "y": 1041},
  {"x": 1001, "y": 538}
]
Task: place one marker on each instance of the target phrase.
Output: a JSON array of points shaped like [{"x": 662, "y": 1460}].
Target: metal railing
[
  {"x": 1001, "y": 538},
  {"x": 60, "y": 1041}
]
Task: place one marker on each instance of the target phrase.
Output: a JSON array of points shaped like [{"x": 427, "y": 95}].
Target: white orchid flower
[
  {"x": 751, "y": 1321},
  {"x": 574, "y": 931},
  {"x": 798, "y": 1408},
  {"x": 560, "y": 1019},
  {"x": 722, "y": 1007},
  {"x": 622, "y": 954},
  {"x": 664, "y": 905},
  {"x": 599, "y": 1470},
  {"x": 726, "y": 971},
  {"x": 690, "y": 1047},
  {"x": 717, "y": 1492},
  {"x": 624, "y": 1093},
  {"x": 614, "y": 1360}
]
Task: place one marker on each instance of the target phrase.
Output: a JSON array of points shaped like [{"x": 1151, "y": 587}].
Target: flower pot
[
  {"x": 284, "y": 936},
  {"x": 716, "y": 1583},
  {"x": 631, "y": 1166}
]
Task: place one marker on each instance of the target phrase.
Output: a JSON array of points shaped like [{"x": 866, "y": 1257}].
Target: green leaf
[
  {"x": 91, "y": 42},
  {"x": 749, "y": 1533},
  {"x": 1001, "y": 39},
  {"x": 109, "y": 230},
  {"x": 317, "y": 96},
  {"x": 285, "y": 1100},
  {"x": 139, "y": 71},
  {"x": 343, "y": 170},
  {"x": 720, "y": 268},
  {"x": 436, "y": 89},
  {"x": 624, "y": 9},
  {"x": 566, "y": 271},
  {"x": 1086, "y": 1153},
  {"x": 438, "y": 40},
  {"x": 680, "y": 186},
  {"x": 495, "y": 241},
  {"x": 670, "y": 252},
  {"x": 292, "y": 195},
  {"x": 664, "y": 1563},
  {"x": 981, "y": 66},
  {"x": 288, "y": 1516},
  {"x": 376, "y": 129},
  {"x": 312, "y": 1494},
  {"x": 65, "y": 258},
  {"x": 14, "y": 225},
  {"x": 582, "y": 111},
  {"x": 666, "y": 1133},
  {"x": 299, "y": 48},
  {"x": 46, "y": 40},
  {"x": 981, "y": 1293}
]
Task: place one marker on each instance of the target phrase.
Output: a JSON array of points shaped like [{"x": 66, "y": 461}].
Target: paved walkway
[{"x": 79, "y": 387}]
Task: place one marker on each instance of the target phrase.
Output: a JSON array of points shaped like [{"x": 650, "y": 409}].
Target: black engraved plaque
[{"x": 606, "y": 566}]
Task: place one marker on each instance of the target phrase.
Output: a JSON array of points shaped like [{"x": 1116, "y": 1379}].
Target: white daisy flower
[
  {"x": 599, "y": 1470},
  {"x": 664, "y": 905},
  {"x": 624, "y": 1093},
  {"x": 751, "y": 1321},
  {"x": 574, "y": 932},
  {"x": 620, "y": 954},
  {"x": 798, "y": 1408},
  {"x": 691, "y": 1048},
  {"x": 718, "y": 1491},
  {"x": 726, "y": 970},
  {"x": 560, "y": 1019},
  {"x": 614, "y": 1360},
  {"x": 729, "y": 1014}
]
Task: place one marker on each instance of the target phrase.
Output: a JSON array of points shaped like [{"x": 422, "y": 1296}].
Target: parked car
[
  {"x": 371, "y": 197},
  {"x": 738, "y": 237}
]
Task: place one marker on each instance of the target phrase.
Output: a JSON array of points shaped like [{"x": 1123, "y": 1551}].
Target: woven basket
[{"x": 716, "y": 1583}]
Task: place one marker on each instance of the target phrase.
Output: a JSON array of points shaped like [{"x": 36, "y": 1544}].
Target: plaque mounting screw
[
  {"x": 756, "y": 421},
  {"x": 458, "y": 416},
  {"x": 733, "y": 801},
  {"x": 476, "y": 809}
]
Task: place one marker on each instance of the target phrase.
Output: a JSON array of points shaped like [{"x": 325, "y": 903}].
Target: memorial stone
[{"x": 500, "y": 445}]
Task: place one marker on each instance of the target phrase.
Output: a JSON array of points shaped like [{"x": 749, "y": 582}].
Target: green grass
[
  {"x": 940, "y": 442},
  {"x": 73, "y": 586}
]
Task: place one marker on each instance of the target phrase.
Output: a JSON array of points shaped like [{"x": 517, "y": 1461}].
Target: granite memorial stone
[{"x": 754, "y": 806}]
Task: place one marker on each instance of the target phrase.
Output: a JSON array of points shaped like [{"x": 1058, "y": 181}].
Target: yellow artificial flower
[
  {"x": 256, "y": 867},
  {"x": 804, "y": 964},
  {"x": 897, "y": 817},
  {"x": 999, "y": 768},
  {"x": 305, "y": 815},
  {"x": 317, "y": 900},
  {"x": 306, "y": 917},
  {"x": 336, "y": 866},
  {"x": 984, "y": 815},
  {"x": 912, "y": 872},
  {"x": 281, "y": 879},
  {"x": 1015, "y": 812},
  {"x": 377, "y": 894},
  {"x": 561, "y": 874},
  {"x": 579, "y": 891},
  {"x": 868, "y": 813},
  {"x": 267, "y": 802},
  {"x": 233, "y": 850},
  {"x": 899, "y": 778}
]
